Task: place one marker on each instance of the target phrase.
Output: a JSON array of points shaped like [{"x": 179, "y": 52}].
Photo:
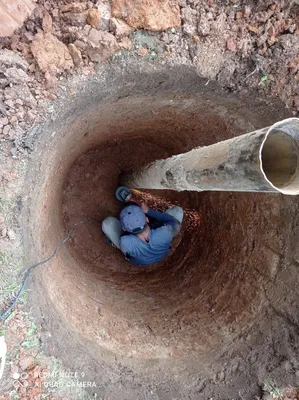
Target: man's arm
[
  {"x": 172, "y": 224},
  {"x": 125, "y": 246},
  {"x": 162, "y": 217}
]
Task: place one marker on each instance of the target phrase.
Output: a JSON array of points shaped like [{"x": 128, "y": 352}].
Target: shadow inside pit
[{"x": 210, "y": 287}]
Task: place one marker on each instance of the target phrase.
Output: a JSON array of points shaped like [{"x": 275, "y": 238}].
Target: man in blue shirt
[{"x": 142, "y": 234}]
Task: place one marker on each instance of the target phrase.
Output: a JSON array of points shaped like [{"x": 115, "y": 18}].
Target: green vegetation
[{"x": 263, "y": 80}]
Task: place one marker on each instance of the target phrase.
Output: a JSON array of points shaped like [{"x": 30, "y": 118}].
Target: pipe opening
[{"x": 280, "y": 159}]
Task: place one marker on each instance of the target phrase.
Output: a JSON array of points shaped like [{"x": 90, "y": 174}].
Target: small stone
[
  {"x": 19, "y": 102},
  {"x": 6, "y": 130},
  {"x": 16, "y": 376},
  {"x": 120, "y": 28},
  {"x": 20, "y": 115},
  {"x": 102, "y": 45},
  {"x": 196, "y": 39},
  {"x": 271, "y": 40},
  {"x": 75, "y": 19},
  {"x": 189, "y": 19},
  {"x": 26, "y": 363},
  {"x": 14, "y": 121},
  {"x": 31, "y": 115},
  {"x": 154, "y": 15},
  {"x": 51, "y": 54},
  {"x": 52, "y": 96},
  {"x": 32, "y": 68},
  {"x": 126, "y": 44},
  {"x": 14, "y": 152},
  {"x": 80, "y": 44},
  {"x": 55, "y": 12},
  {"x": 271, "y": 35},
  {"x": 73, "y": 7},
  {"x": 76, "y": 54},
  {"x": 262, "y": 50},
  {"x": 253, "y": 28},
  {"x": 221, "y": 376},
  {"x": 10, "y": 103},
  {"x": 204, "y": 26},
  {"x": 47, "y": 23},
  {"x": 231, "y": 45},
  {"x": 3, "y": 110},
  {"x": 273, "y": 6},
  {"x": 142, "y": 51},
  {"x": 104, "y": 8},
  {"x": 246, "y": 11},
  {"x": 289, "y": 42},
  {"x": 271, "y": 31},
  {"x": 11, "y": 234},
  {"x": 94, "y": 18},
  {"x": 85, "y": 32},
  {"x": 3, "y": 121},
  {"x": 94, "y": 55}
]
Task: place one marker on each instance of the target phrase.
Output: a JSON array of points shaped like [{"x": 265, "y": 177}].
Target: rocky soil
[{"x": 241, "y": 44}]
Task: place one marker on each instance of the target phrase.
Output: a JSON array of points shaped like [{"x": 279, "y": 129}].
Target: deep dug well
[{"x": 225, "y": 265}]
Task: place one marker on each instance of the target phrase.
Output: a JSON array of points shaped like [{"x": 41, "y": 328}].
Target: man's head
[{"x": 133, "y": 219}]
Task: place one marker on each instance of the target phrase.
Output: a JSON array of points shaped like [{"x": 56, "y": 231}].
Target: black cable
[{"x": 29, "y": 269}]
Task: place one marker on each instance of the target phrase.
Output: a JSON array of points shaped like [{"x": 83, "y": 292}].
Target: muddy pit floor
[{"x": 218, "y": 316}]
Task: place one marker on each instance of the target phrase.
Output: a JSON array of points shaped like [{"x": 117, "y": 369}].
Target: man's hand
[{"x": 144, "y": 208}]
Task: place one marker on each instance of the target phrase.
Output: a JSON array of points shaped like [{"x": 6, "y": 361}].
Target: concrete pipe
[{"x": 265, "y": 160}]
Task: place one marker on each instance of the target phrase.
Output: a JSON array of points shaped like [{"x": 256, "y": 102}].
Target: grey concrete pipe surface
[{"x": 265, "y": 160}]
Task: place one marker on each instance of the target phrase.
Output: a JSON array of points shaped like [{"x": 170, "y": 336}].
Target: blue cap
[{"x": 133, "y": 219}]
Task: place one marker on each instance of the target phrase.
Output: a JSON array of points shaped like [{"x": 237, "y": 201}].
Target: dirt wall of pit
[{"x": 226, "y": 267}]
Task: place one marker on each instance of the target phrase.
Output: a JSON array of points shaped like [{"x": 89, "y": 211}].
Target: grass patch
[
  {"x": 30, "y": 343},
  {"x": 264, "y": 79},
  {"x": 32, "y": 329}
]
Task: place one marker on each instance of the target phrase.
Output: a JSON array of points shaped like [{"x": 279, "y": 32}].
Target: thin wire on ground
[{"x": 28, "y": 270}]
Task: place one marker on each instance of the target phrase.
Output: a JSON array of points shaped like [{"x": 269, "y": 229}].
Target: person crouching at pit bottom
[{"x": 143, "y": 235}]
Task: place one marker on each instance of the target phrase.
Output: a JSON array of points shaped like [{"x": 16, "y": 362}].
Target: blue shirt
[{"x": 143, "y": 253}]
